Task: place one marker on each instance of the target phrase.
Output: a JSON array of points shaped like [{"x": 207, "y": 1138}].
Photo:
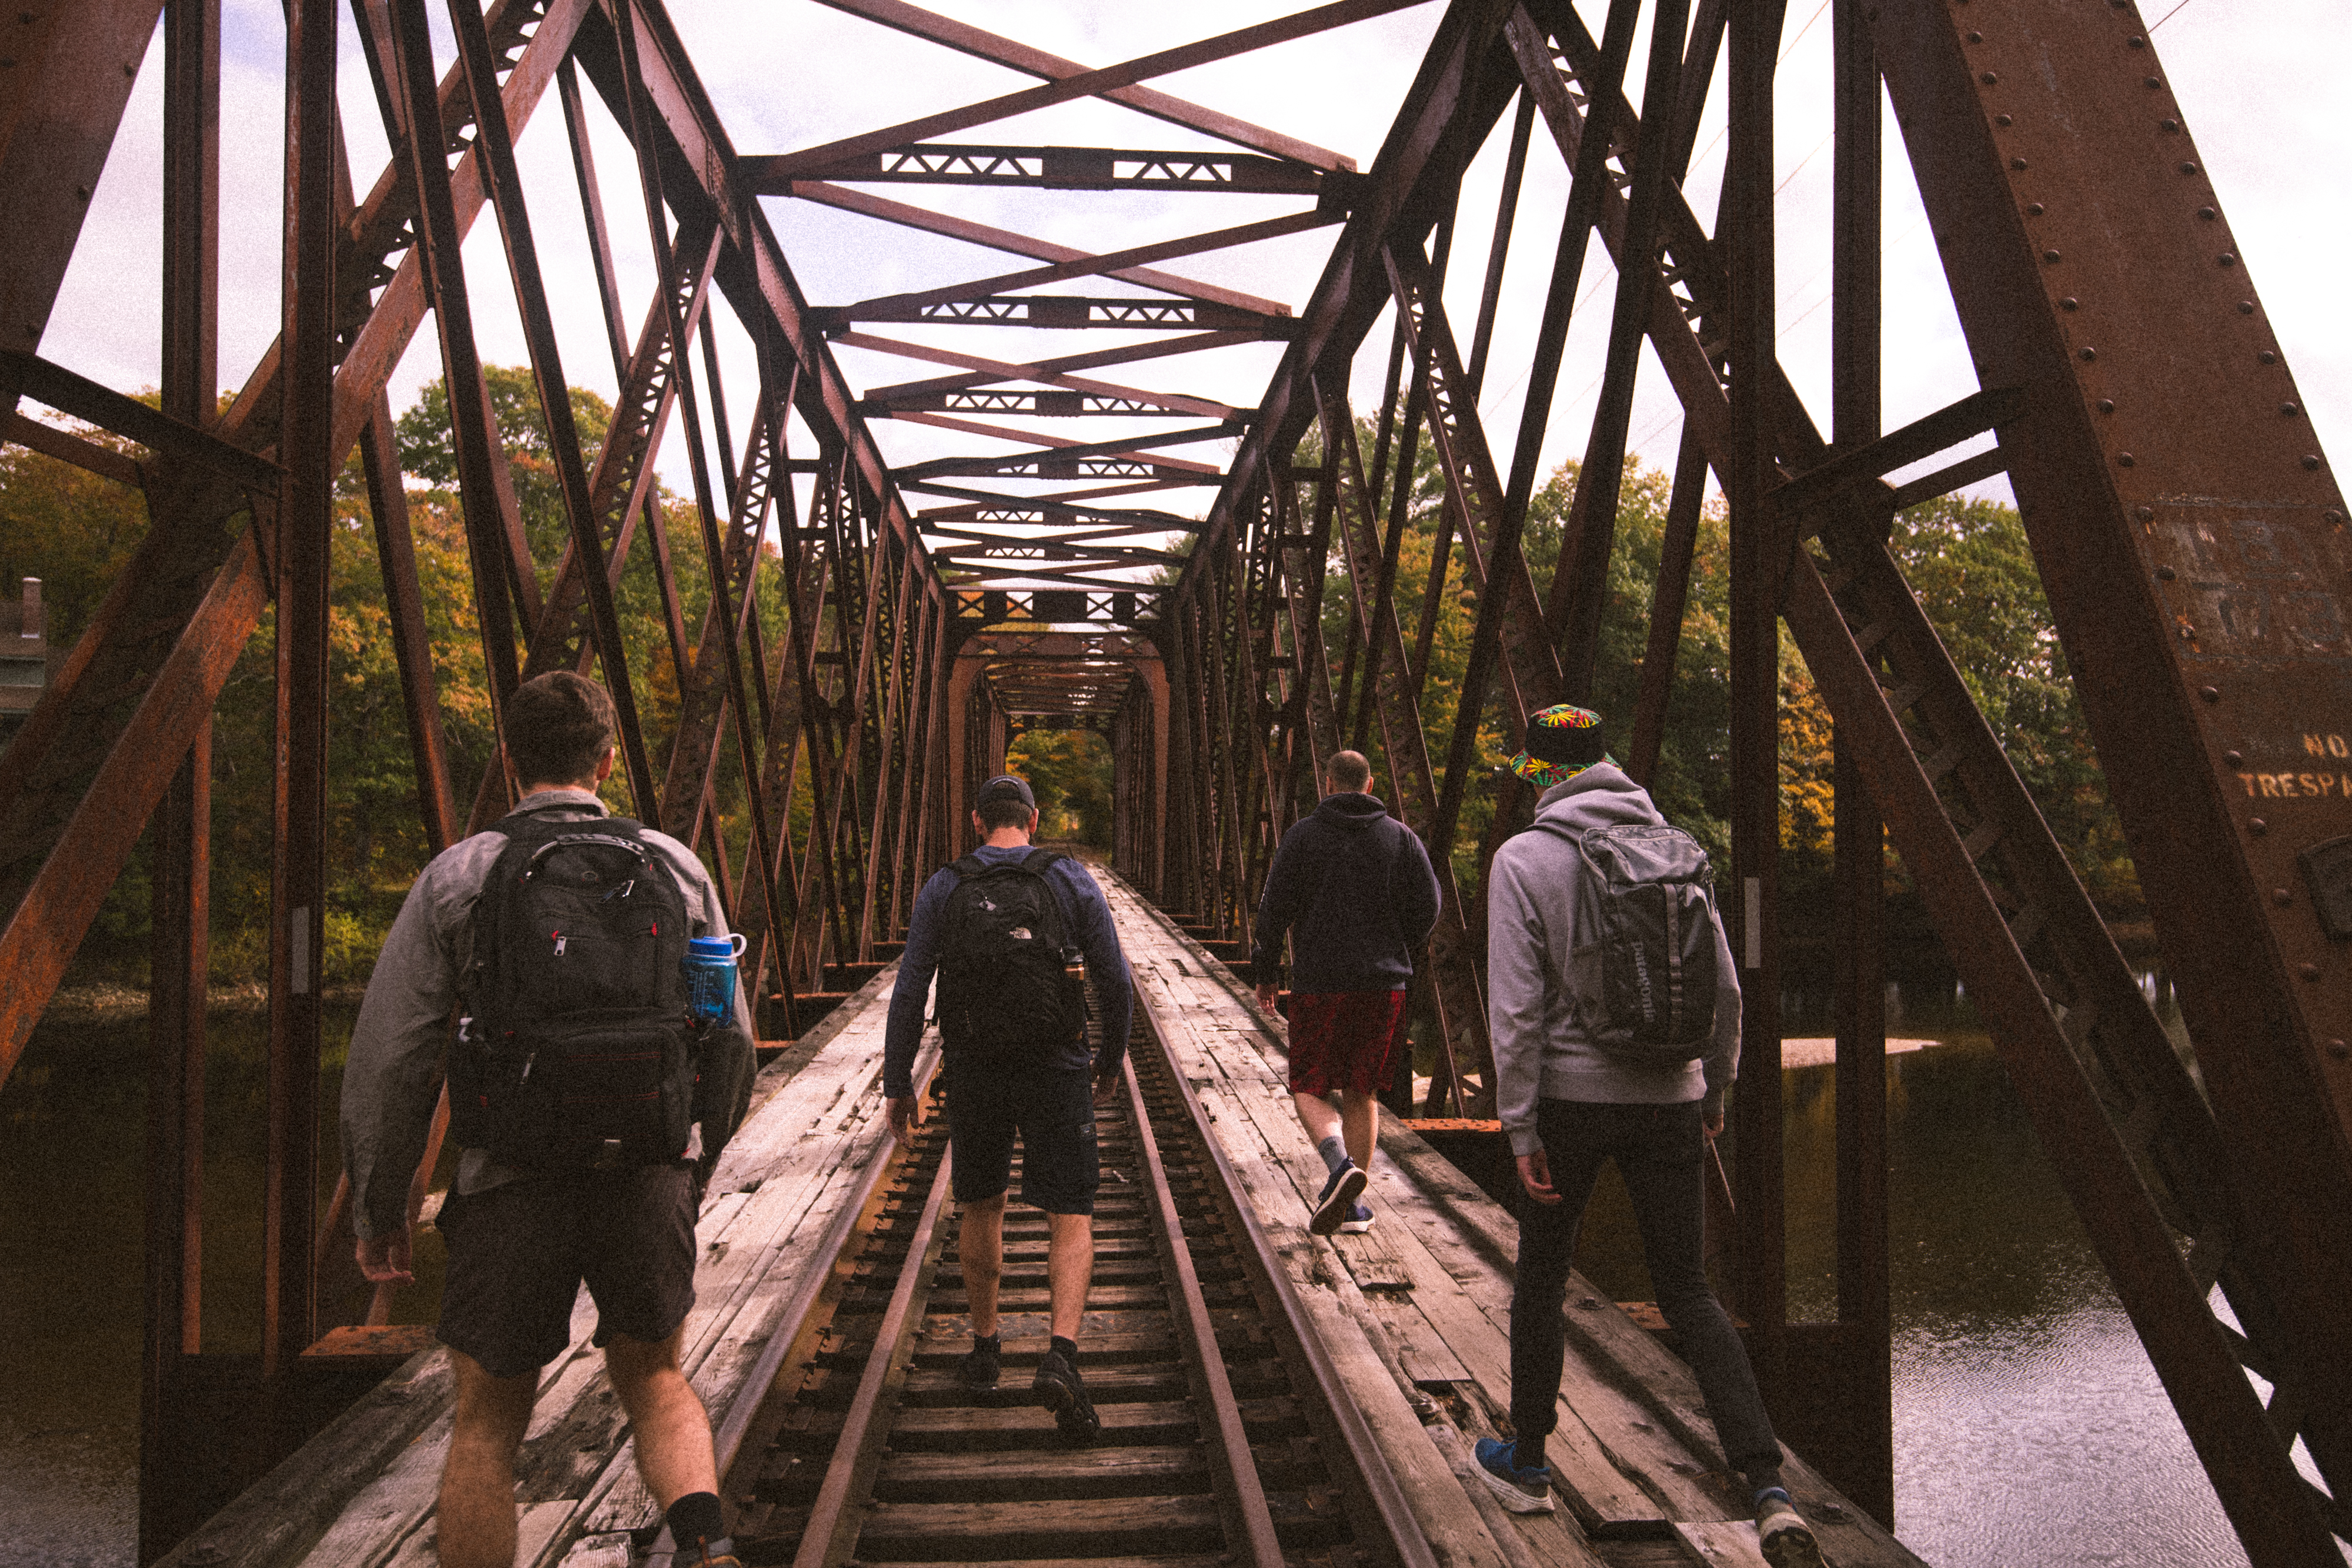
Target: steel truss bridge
[{"x": 1028, "y": 568}]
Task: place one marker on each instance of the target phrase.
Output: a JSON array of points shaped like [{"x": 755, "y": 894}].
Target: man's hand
[
  {"x": 385, "y": 1259},
  {"x": 1105, "y": 1091},
  {"x": 1711, "y": 1124},
  {"x": 906, "y": 1115},
  {"x": 1265, "y": 995},
  {"x": 1535, "y": 1175}
]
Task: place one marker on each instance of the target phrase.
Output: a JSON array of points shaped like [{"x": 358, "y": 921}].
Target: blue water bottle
[{"x": 711, "y": 977}]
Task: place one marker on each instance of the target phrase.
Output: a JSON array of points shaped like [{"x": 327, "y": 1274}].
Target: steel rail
[
  {"x": 1368, "y": 1466},
  {"x": 727, "y": 1438},
  {"x": 861, "y": 1435},
  {"x": 1239, "y": 1490}
]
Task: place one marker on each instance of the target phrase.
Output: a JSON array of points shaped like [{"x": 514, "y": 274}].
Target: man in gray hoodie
[
  {"x": 522, "y": 1239},
  {"x": 1567, "y": 1105}
]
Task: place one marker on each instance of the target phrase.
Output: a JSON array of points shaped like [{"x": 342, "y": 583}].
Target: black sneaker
[
  {"x": 1338, "y": 1203},
  {"x": 983, "y": 1364},
  {"x": 1058, "y": 1387}
]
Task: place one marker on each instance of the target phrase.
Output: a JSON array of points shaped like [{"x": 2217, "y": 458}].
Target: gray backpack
[{"x": 1642, "y": 973}]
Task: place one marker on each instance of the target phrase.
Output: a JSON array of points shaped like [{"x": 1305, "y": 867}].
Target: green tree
[{"x": 1070, "y": 771}]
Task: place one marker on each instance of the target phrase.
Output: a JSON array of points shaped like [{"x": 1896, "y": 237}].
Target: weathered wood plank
[
  {"x": 361, "y": 1494},
  {"x": 1595, "y": 1469},
  {"x": 1728, "y": 1544},
  {"x": 1063, "y": 1527},
  {"x": 1477, "y": 1240}
]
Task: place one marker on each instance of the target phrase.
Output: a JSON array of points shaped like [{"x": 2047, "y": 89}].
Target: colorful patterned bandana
[{"x": 1562, "y": 742}]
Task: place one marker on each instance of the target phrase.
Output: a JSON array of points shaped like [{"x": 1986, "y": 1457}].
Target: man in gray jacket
[
  {"x": 522, "y": 1239},
  {"x": 1567, "y": 1105}
]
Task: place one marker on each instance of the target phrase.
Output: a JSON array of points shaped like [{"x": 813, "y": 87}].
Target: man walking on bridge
[
  {"x": 1353, "y": 888},
  {"x": 1615, "y": 1015},
  {"x": 1003, "y": 928},
  {"x": 567, "y": 1014}
]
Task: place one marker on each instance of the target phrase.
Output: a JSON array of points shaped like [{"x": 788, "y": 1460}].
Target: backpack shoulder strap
[
  {"x": 968, "y": 866},
  {"x": 1041, "y": 861}
]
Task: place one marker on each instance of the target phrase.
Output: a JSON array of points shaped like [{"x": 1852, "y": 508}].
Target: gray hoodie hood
[{"x": 1540, "y": 1050}]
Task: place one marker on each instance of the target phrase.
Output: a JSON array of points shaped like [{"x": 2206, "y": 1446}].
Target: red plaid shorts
[{"x": 1343, "y": 1039}]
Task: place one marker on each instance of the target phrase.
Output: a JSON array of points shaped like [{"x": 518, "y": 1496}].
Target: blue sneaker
[
  {"x": 1522, "y": 1491},
  {"x": 1783, "y": 1535},
  {"x": 1356, "y": 1223},
  {"x": 1338, "y": 1203}
]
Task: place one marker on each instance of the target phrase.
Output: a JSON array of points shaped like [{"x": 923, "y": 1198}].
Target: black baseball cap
[{"x": 1006, "y": 787}]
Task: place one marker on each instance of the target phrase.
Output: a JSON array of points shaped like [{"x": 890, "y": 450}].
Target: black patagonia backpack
[
  {"x": 1643, "y": 967},
  {"x": 1010, "y": 982},
  {"x": 578, "y": 1051}
]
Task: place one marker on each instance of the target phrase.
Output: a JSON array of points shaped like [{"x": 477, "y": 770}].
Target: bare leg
[
  {"x": 981, "y": 1247},
  {"x": 478, "y": 1508},
  {"x": 672, "y": 1429},
  {"x": 1360, "y": 1115},
  {"x": 1069, "y": 1269},
  {"x": 1320, "y": 1119}
]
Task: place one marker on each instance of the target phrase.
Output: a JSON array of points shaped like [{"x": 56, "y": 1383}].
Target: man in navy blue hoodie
[
  {"x": 1047, "y": 1102},
  {"x": 1353, "y": 889}
]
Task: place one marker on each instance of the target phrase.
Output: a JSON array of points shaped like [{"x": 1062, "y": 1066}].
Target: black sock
[
  {"x": 1068, "y": 1347},
  {"x": 1527, "y": 1455},
  {"x": 991, "y": 1342},
  {"x": 695, "y": 1519}
]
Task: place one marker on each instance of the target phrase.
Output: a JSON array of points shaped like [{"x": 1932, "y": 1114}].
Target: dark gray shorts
[
  {"x": 1053, "y": 1113},
  {"x": 519, "y": 1252}
]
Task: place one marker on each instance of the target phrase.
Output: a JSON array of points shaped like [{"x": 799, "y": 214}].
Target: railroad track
[{"x": 1224, "y": 1438}]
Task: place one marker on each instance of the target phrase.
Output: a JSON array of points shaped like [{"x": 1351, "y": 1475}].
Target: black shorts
[
  {"x": 519, "y": 1252},
  {"x": 1052, "y": 1110}
]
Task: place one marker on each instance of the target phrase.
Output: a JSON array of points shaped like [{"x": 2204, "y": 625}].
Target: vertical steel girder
[
  {"x": 180, "y": 843},
  {"x": 2210, "y": 644},
  {"x": 306, "y": 501},
  {"x": 80, "y": 780}
]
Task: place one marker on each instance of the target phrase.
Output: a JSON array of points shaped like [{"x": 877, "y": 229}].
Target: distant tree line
[
  {"x": 76, "y": 531},
  {"x": 1968, "y": 561}
]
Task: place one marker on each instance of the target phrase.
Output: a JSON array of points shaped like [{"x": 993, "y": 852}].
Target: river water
[{"x": 2029, "y": 1427}]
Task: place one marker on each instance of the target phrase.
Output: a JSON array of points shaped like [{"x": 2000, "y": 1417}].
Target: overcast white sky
[{"x": 2259, "y": 82}]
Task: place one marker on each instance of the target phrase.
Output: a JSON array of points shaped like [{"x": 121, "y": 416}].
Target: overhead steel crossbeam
[{"x": 1056, "y": 169}]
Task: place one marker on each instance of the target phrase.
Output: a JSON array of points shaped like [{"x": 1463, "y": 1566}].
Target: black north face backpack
[
  {"x": 1643, "y": 967},
  {"x": 1010, "y": 982},
  {"x": 579, "y": 1050}
]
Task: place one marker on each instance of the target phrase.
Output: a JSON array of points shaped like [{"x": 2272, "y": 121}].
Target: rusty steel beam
[
  {"x": 1460, "y": 995},
  {"x": 1128, "y": 266},
  {"x": 1059, "y": 169},
  {"x": 1861, "y": 1455},
  {"x": 92, "y": 759},
  {"x": 1139, "y": 312},
  {"x": 2166, "y": 329},
  {"x": 73, "y": 68},
  {"x": 971, "y": 40},
  {"x": 494, "y": 141},
  {"x": 1581, "y": 581},
  {"x": 304, "y": 522},
  {"x": 1089, "y": 83},
  {"x": 172, "y": 1293},
  {"x": 2188, "y": 1186}
]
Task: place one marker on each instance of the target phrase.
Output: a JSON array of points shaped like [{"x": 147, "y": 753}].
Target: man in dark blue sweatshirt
[
  {"x": 1353, "y": 889},
  {"x": 1046, "y": 1099}
]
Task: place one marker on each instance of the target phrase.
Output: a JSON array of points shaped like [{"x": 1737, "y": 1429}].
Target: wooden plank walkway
[
  {"x": 1418, "y": 1312},
  {"x": 1415, "y": 1314}
]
